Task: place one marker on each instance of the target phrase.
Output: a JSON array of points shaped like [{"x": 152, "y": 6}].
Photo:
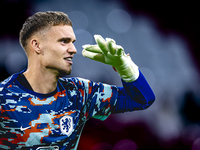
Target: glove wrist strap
[{"x": 129, "y": 71}]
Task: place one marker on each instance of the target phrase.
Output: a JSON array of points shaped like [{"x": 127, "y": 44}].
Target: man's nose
[{"x": 72, "y": 49}]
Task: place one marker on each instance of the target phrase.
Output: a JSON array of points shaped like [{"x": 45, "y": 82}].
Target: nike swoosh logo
[{"x": 22, "y": 129}]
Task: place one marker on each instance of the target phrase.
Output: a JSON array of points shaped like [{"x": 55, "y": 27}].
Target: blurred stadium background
[{"x": 162, "y": 39}]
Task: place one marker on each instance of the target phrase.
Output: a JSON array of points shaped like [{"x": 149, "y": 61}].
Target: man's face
[{"x": 58, "y": 49}]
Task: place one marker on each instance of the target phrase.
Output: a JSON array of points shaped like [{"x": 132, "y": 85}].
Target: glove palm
[{"x": 106, "y": 51}]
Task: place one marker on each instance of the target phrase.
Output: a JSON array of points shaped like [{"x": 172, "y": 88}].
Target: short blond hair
[{"x": 40, "y": 21}]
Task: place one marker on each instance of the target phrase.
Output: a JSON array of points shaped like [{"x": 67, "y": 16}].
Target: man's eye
[{"x": 64, "y": 41}]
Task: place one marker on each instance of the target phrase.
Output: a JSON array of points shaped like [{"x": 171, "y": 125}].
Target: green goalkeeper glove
[{"x": 106, "y": 51}]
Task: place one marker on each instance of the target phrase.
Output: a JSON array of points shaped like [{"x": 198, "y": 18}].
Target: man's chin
[{"x": 65, "y": 72}]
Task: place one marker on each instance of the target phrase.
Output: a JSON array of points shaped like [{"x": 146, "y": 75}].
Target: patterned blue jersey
[{"x": 30, "y": 120}]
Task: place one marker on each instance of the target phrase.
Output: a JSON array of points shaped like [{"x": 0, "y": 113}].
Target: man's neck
[{"x": 41, "y": 82}]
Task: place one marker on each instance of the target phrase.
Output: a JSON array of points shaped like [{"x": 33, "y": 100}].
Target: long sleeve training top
[{"x": 30, "y": 120}]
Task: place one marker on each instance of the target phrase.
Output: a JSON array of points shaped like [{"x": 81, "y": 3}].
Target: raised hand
[{"x": 106, "y": 51}]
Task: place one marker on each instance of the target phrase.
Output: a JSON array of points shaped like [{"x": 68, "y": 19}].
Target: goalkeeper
[{"x": 42, "y": 109}]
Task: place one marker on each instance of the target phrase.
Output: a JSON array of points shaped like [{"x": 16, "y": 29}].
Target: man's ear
[{"x": 35, "y": 45}]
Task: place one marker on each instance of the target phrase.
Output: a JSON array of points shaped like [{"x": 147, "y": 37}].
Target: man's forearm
[{"x": 136, "y": 95}]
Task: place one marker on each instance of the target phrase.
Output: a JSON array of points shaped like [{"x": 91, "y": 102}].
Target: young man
[{"x": 41, "y": 109}]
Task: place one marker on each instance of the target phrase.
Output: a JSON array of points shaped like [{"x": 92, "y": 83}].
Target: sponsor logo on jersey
[{"x": 22, "y": 129}]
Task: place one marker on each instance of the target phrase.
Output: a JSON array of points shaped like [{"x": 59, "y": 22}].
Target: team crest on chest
[{"x": 66, "y": 125}]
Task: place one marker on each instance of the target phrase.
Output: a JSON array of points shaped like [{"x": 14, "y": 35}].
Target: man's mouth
[{"x": 69, "y": 60}]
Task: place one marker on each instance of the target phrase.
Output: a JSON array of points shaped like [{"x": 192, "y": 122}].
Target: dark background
[
  {"x": 178, "y": 17},
  {"x": 171, "y": 17}
]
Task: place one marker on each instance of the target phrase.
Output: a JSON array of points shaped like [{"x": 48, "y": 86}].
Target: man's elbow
[{"x": 149, "y": 101}]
